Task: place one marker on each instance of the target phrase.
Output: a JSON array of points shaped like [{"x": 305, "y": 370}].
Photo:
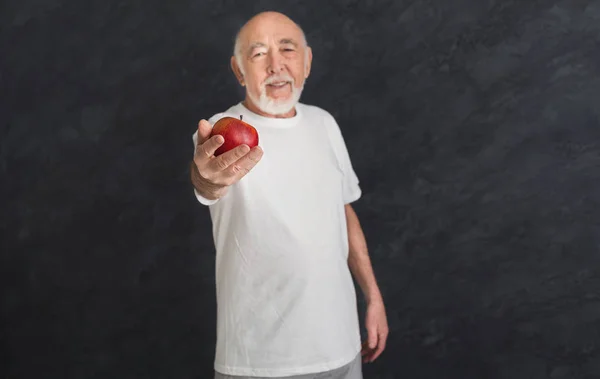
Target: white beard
[{"x": 277, "y": 107}]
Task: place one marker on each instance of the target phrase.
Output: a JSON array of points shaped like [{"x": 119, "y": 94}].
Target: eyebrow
[
  {"x": 283, "y": 41},
  {"x": 255, "y": 45}
]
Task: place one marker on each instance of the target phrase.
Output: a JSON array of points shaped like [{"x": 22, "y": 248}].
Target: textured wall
[{"x": 473, "y": 125}]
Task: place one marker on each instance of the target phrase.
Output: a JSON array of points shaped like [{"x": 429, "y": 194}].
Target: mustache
[{"x": 279, "y": 78}]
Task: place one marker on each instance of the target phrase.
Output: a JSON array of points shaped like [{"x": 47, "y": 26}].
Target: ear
[
  {"x": 308, "y": 62},
  {"x": 237, "y": 71}
]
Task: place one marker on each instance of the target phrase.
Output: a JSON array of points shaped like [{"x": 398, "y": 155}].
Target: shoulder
[
  {"x": 316, "y": 114},
  {"x": 314, "y": 111},
  {"x": 322, "y": 116}
]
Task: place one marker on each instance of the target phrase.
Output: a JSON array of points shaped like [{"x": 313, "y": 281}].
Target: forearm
[{"x": 358, "y": 258}]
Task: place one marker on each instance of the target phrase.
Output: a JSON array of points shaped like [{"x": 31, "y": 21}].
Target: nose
[{"x": 275, "y": 65}]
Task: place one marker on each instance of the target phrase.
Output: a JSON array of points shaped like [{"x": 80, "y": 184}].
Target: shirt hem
[{"x": 275, "y": 372}]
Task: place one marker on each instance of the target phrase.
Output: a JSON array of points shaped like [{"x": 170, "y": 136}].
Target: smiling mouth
[{"x": 278, "y": 84}]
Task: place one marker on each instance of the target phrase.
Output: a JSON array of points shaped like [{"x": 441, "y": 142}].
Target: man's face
[{"x": 274, "y": 62}]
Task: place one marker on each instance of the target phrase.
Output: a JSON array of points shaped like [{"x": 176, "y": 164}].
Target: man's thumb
[
  {"x": 204, "y": 130},
  {"x": 372, "y": 338}
]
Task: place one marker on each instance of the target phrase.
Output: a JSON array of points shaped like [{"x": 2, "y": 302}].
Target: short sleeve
[
  {"x": 351, "y": 187},
  {"x": 200, "y": 198}
]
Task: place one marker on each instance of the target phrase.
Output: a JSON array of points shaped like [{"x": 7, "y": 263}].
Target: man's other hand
[{"x": 377, "y": 330}]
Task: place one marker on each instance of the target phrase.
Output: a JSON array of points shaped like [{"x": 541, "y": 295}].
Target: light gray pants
[{"x": 352, "y": 370}]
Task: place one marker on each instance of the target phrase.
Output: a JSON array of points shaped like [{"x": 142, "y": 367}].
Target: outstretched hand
[
  {"x": 212, "y": 175},
  {"x": 377, "y": 331}
]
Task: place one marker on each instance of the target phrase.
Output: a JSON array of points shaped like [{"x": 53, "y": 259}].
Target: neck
[{"x": 252, "y": 107}]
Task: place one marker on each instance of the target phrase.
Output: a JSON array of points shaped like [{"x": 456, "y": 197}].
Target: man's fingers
[
  {"x": 204, "y": 130},
  {"x": 370, "y": 344},
  {"x": 365, "y": 348},
  {"x": 230, "y": 166},
  {"x": 372, "y": 337},
  {"x": 374, "y": 346},
  {"x": 223, "y": 161},
  {"x": 246, "y": 163},
  {"x": 208, "y": 148},
  {"x": 382, "y": 338},
  {"x": 379, "y": 350},
  {"x": 366, "y": 352},
  {"x": 376, "y": 354}
]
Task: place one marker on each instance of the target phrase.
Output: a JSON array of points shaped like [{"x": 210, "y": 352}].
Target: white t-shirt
[{"x": 286, "y": 302}]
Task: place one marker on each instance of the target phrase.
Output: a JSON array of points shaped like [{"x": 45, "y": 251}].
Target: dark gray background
[{"x": 472, "y": 124}]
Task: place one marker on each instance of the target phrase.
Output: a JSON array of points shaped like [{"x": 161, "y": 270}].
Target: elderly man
[{"x": 287, "y": 239}]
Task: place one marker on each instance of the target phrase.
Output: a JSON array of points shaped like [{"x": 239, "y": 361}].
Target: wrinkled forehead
[{"x": 266, "y": 33}]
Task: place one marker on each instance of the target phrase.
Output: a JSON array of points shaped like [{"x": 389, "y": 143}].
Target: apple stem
[{"x": 241, "y": 117}]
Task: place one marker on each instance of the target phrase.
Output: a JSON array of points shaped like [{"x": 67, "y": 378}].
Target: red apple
[{"x": 235, "y": 132}]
